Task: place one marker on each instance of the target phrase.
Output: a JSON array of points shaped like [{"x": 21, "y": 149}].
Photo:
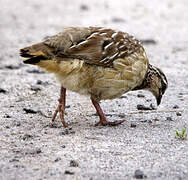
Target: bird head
[{"x": 156, "y": 82}]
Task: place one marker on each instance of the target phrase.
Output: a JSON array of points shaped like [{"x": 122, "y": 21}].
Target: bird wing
[{"x": 94, "y": 45}]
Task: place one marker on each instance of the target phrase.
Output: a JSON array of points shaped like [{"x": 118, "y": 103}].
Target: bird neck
[{"x": 145, "y": 82}]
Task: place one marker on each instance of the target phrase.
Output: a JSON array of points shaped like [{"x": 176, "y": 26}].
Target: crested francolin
[{"x": 99, "y": 62}]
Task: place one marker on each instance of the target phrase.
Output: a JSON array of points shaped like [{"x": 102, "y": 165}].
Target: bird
[{"x": 98, "y": 62}]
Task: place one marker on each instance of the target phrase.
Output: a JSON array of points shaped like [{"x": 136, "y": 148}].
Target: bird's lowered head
[{"x": 155, "y": 81}]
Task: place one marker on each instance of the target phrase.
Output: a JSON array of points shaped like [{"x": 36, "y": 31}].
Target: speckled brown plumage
[
  {"x": 99, "y": 62},
  {"x": 94, "y": 45}
]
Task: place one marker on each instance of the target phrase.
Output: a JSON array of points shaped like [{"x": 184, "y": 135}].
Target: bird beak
[{"x": 159, "y": 99}]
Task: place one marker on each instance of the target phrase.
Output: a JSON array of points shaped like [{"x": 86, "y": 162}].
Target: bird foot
[
  {"x": 108, "y": 123},
  {"x": 60, "y": 109}
]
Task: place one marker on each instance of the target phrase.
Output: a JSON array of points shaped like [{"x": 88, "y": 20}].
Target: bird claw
[
  {"x": 108, "y": 123},
  {"x": 61, "y": 111}
]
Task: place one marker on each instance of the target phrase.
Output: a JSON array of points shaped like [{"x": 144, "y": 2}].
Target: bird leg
[
  {"x": 61, "y": 107},
  {"x": 103, "y": 121}
]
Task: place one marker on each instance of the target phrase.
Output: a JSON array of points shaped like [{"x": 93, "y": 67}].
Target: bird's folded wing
[{"x": 94, "y": 45}]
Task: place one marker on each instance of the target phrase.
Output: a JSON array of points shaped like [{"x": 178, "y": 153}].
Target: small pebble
[
  {"x": 27, "y": 136},
  {"x": 14, "y": 160},
  {"x": 178, "y": 114},
  {"x": 67, "y": 131},
  {"x": 31, "y": 111},
  {"x": 118, "y": 20},
  {"x": 19, "y": 166},
  {"x": 122, "y": 97},
  {"x": 148, "y": 100},
  {"x": 18, "y": 124},
  {"x": 133, "y": 125},
  {"x": 39, "y": 82},
  {"x": 142, "y": 107},
  {"x": 152, "y": 107},
  {"x": 35, "y": 88},
  {"x": 35, "y": 71},
  {"x": 74, "y": 163},
  {"x": 169, "y": 119},
  {"x": 32, "y": 151},
  {"x": 57, "y": 159},
  {"x": 12, "y": 67},
  {"x": 38, "y": 151},
  {"x": 53, "y": 125},
  {"x": 121, "y": 115},
  {"x": 144, "y": 120},
  {"x": 63, "y": 146},
  {"x": 175, "y": 107},
  {"x": 69, "y": 172},
  {"x": 140, "y": 95},
  {"x": 156, "y": 119},
  {"x": 138, "y": 174},
  {"x": 3, "y": 91},
  {"x": 83, "y": 7},
  {"x": 148, "y": 42},
  {"x": 7, "y": 116}
]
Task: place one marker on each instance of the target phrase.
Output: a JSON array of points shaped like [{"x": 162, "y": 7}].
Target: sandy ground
[{"x": 32, "y": 148}]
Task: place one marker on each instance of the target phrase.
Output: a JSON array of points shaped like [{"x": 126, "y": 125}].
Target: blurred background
[{"x": 25, "y": 21}]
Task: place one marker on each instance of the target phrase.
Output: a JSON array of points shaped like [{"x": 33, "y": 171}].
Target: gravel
[{"x": 34, "y": 148}]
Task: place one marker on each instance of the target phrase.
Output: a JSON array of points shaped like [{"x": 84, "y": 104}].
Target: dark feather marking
[{"x": 34, "y": 60}]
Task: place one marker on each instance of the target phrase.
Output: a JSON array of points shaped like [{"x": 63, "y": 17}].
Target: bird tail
[{"x": 36, "y": 53}]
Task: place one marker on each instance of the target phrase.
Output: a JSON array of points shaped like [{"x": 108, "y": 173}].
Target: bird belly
[
  {"x": 72, "y": 82},
  {"x": 101, "y": 82},
  {"x": 73, "y": 75}
]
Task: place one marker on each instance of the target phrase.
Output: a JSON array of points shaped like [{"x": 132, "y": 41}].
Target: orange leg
[
  {"x": 61, "y": 107},
  {"x": 103, "y": 121}
]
